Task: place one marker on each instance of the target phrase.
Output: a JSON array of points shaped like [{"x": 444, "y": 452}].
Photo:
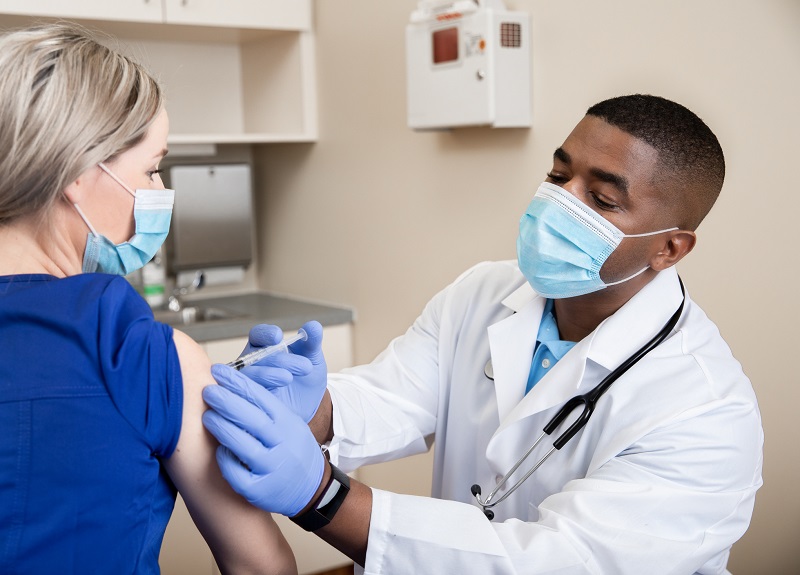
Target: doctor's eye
[
  {"x": 153, "y": 173},
  {"x": 557, "y": 178},
  {"x": 601, "y": 204}
]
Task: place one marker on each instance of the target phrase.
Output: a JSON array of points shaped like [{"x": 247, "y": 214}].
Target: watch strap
[{"x": 319, "y": 516}]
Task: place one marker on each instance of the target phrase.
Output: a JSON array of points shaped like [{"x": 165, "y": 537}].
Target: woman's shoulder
[
  {"x": 103, "y": 285},
  {"x": 112, "y": 297}
]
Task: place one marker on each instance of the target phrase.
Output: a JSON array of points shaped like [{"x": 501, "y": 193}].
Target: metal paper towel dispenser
[{"x": 212, "y": 222}]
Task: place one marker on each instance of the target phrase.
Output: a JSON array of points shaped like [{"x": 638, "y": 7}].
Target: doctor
[{"x": 662, "y": 478}]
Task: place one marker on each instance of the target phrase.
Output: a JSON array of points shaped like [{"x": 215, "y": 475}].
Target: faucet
[{"x": 175, "y": 303}]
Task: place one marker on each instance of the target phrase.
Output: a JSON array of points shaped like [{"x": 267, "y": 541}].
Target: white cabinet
[
  {"x": 128, "y": 10},
  {"x": 242, "y": 71},
  {"x": 184, "y": 549},
  {"x": 267, "y": 14},
  {"x": 272, "y": 14}
]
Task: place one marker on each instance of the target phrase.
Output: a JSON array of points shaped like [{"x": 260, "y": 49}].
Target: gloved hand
[
  {"x": 284, "y": 463},
  {"x": 306, "y": 363}
]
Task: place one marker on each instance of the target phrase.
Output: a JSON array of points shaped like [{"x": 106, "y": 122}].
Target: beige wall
[{"x": 391, "y": 216}]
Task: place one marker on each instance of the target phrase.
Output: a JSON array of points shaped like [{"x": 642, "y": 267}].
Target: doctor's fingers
[
  {"x": 269, "y": 377},
  {"x": 248, "y": 450},
  {"x": 294, "y": 364},
  {"x": 312, "y": 346},
  {"x": 263, "y": 334},
  {"x": 251, "y": 414},
  {"x": 256, "y": 411},
  {"x": 242, "y": 385},
  {"x": 235, "y": 473}
]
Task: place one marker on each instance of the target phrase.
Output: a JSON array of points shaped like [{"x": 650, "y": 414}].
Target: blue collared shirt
[{"x": 549, "y": 348}]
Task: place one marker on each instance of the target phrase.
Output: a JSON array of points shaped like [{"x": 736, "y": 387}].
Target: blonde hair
[{"x": 67, "y": 103}]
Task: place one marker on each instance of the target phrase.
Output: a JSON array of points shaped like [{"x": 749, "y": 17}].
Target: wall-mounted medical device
[{"x": 468, "y": 64}]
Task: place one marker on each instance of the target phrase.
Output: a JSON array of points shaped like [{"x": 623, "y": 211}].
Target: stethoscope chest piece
[{"x": 488, "y": 370}]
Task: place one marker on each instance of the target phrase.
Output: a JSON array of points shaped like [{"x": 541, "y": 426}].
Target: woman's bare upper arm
[{"x": 242, "y": 538}]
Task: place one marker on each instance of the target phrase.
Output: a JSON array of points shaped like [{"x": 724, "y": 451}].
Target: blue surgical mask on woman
[
  {"x": 563, "y": 243},
  {"x": 152, "y": 212}
]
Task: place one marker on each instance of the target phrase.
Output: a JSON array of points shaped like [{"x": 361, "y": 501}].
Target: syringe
[{"x": 259, "y": 354}]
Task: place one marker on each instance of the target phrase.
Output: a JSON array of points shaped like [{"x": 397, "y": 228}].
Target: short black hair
[{"x": 689, "y": 152}]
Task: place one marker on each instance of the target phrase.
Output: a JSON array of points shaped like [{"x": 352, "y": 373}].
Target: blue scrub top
[{"x": 90, "y": 398}]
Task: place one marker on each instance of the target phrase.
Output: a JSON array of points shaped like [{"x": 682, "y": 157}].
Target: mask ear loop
[
  {"x": 650, "y": 233},
  {"x": 641, "y": 271},
  {"x": 114, "y": 177},
  {"x": 86, "y": 220}
]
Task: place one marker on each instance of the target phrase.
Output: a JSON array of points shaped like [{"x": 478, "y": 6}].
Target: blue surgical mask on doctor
[
  {"x": 563, "y": 243},
  {"x": 152, "y": 212}
]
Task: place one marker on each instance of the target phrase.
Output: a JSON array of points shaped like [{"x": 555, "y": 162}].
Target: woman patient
[{"x": 100, "y": 405}]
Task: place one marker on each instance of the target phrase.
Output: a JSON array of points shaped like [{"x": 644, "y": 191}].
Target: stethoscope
[{"x": 588, "y": 401}]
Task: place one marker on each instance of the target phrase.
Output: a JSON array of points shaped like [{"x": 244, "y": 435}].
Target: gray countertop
[{"x": 249, "y": 309}]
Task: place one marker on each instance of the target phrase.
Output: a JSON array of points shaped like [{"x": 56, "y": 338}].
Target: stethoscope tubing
[
  {"x": 588, "y": 400},
  {"x": 487, "y": 503}
]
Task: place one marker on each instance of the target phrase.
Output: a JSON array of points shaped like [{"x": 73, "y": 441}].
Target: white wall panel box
[{"x": 468, "y": 63}]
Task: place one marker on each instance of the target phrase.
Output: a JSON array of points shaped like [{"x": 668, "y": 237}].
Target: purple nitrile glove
[
  {"x": 306, "y": 363},
  {"x": 267, "y": 453}
]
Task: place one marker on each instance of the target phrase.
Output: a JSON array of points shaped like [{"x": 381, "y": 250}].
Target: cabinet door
[
  {"x": 128, "y": 10},
  {"x": 273, "y": 14}
]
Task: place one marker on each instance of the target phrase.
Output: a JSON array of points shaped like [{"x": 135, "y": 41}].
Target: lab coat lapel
[
  {"x": 511, "y": 343},
  {"x": 555, "y": 388},
  {"x": 638, "y": 321},
  {"x": 608, "y": 346}
]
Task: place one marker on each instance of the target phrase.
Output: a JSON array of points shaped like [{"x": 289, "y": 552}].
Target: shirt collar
[
  {"x": 548, "y": 334},
  {"x": 619, "y": 335}
]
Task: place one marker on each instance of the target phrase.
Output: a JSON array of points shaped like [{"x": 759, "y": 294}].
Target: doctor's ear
[{"x": 677, "y": 245}]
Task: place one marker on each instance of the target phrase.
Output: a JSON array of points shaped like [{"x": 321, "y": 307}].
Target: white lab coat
[{"x": 661, "y": 480}]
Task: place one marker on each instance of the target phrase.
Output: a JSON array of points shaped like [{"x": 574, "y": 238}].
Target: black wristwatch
[{"x": 327, "y": 504}]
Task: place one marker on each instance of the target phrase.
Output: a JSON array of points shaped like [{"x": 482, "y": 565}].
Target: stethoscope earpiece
[{"x": 476, "y": 492}]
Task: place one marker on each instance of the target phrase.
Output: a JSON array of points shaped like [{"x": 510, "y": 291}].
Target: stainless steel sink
[{"x": 194, "y": 315}]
